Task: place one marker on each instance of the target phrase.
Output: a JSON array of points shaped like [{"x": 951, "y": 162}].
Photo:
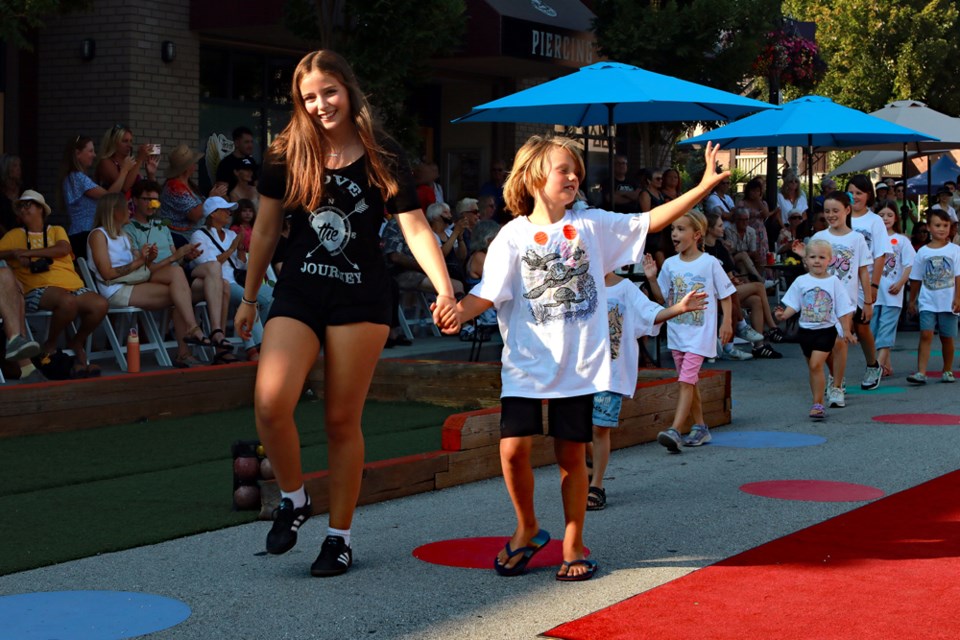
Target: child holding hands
[
  {"x": 937, "y": 267},
  {"x": 895, "y": 275},
  {"x": 544, "y": 274},
  {"x": 823, "y": 303},
  {"x": 691, "y": 336},
  {"x": 631, "y": 316}
]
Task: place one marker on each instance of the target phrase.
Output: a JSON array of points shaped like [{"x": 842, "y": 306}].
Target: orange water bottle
[{"x": 133, "y": 351}]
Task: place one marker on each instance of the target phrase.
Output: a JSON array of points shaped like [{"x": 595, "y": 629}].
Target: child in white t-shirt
[
  {"x": 871, "y": 227},
  {"x": 896, "y": 273},
  {"x": 823, "y": 305},
  {"x": 544, "y": 273},
  {"x": 849, "y": 263},
  {"x": 691, "y": 337},
  {"x": 937, "y": 266},
  {"x": 631, "y": 316}
]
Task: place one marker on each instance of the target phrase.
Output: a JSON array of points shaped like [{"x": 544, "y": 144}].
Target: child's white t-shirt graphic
[
  {"x": 631, "y": 315},
  {"x": 937, "y": 269},
  {"x": 694, "y": 331},
  {"x": 850, "y": 252},
  {"x": 821, "y": 302},
  {"x": 546, "y": 282}
]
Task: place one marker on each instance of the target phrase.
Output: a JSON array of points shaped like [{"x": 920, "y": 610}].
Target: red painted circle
[
  {"x": 812, "y": 490},
  {"x": 540, "y": 237},
  {"x": 569, "y": 232},
  {"x": 929, "y": 419},
  {"x": 893, "y": 241},
  {"x": 478, "y": 553}
]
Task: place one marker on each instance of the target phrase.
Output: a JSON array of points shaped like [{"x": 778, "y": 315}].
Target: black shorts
[
  {"x": 817, "y": 340},
  {"x": 319, "y": 316},
  {"x": 567, "y": 418}
]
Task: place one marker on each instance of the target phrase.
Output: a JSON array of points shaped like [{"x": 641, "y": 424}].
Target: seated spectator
[
  {"x": 469, "y": 210},
  {"x": 450, "y": 238},
  {"x": 752, "y": 295},
  {"x": 220, "y": 250},
  {"x": 742, "y": 243},
  {"x": 790, "y": 199},
  {"x": 19, "y": 350},
  {"x": 243, "y": 147},
  {"x": 246, "y": 185},
  {"x": 920, "y": 235},
  {"x": 943, "y": 202},
  {"x": 77, "y": 193},
  {"x": 483, "y": 235},
  {"x": 494, "y": 187},
  {"x": 650, "y": 196},
  {"x": 124, "y": 277},
  {"x": 180, "y": 202},
  {"x": 242, "y": 224},
  {"x": 42, "y": 261},
  {"x": 11, "y": 185},
  {"x": 403, "y": 265},
  {"x": 116, "y": 147},
  {"x": 487, "y": 207},
  {"x": 791, "y": 233},
  {"x": 719, "y": 202}
]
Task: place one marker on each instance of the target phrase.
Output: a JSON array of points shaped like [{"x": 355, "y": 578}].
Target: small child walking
[
  {"x": 850, "y": 262},
  {"x": 544, "y": 273},
  {"x": 896, "y": 274},
  {"x": 936, "y": 277},
  {"x": 631, "y": 316},
  {"x": 823, "y": 304},
  {"x": 692, "y": 336}
]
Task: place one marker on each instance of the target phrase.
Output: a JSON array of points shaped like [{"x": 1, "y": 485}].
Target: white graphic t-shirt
[
  {"x": 631, "y": 315},
  {"x": 902, "y": 256},
  {"x": 821, "y": 302},
  {"x": 937, "y": 270},
  {"x": 871, "y": 227},
  {"x": 694, "y": 331},
  {"x": 546, "y": 283},
  {"x": 850, "y": 252}
]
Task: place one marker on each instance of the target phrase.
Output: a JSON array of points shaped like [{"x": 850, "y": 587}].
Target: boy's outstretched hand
[
  {"x": 711, "y": 177},
  {"x": 694, "y": 301},
  {"x": 649, "y": 266}
]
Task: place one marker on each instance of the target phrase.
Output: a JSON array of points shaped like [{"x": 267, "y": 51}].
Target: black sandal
[
  {"x": 596, "y": 499},
  {"x": 197, "y": 339},
  {"x": 225, "y": 357},
  {"x": 222, "y": 344}
]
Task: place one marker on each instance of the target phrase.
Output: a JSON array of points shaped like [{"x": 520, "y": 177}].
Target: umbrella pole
[
  {"x": 610, "y": 153},
  {"x": 809, "y": 172}
]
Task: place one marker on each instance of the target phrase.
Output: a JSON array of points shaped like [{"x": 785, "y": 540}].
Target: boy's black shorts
[
  {"x": 817, "y": 340},
  {"x": 567, "y": 418}
]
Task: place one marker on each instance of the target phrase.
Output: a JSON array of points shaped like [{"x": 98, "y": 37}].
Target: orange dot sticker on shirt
[
  {"x": 893, "y": 241},
  {"x": 569, "y": 232},
  {"x": 540, "y": 237}
]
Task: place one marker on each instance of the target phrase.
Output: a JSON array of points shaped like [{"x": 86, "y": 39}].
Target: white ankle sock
[
  {"x": 343, "y": 533},
  {"x": 299, "y": 497}
]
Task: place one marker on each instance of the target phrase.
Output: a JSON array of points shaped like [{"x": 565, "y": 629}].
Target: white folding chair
[{"x": 128, "y": 316}]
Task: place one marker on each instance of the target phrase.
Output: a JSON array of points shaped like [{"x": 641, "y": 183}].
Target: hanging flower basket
[{"x": 793, "y": 59}]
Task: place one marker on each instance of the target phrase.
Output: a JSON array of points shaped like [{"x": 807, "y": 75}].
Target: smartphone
[{"x": 154, "y": 149}]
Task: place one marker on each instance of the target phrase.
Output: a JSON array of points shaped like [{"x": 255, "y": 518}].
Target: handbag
[
  {"x": 138, "y": 275},
  {"x": 239, "y": 275}
]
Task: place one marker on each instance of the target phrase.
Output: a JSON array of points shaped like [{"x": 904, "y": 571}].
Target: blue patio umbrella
[
  {"x": 813, "y": 122},
  {"x": 608, "y": 93}
]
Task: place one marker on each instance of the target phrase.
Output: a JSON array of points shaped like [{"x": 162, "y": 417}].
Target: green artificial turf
[{"x": 76, "y": 494}]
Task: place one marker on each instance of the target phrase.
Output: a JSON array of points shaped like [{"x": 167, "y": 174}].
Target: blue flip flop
[
  {"x": 591, "y": 570},
  {"x": 537, "y": 543}
]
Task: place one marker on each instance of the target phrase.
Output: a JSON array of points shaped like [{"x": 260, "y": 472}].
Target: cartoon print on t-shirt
[
  {"x": 816, "y": 306},
  {"x": 840, "y": 263},
  {"x": 680, "y": 285},
  {"x": 868, "y": 237},
  {"x": 557, "y": 282},
  {"x": 615, "y": 320},
  {"x": 938, "y": 273},
  {"x": 890, "y": 263}
]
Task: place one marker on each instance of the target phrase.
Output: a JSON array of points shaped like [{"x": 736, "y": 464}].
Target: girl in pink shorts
[{"x": 691, "y": 336}]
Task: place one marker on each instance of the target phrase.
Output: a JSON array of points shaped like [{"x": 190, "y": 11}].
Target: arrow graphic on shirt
[{"x": 360, "y": 207}]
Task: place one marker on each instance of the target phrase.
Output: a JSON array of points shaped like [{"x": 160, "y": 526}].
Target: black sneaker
[
  {"x": 334, "y": 559},
  {"x": 286, "y": 522}
]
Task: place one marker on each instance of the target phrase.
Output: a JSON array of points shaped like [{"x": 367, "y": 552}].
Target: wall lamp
[
  {"x": 168, "y": 51},
  {"x": 88, "y": 49}
]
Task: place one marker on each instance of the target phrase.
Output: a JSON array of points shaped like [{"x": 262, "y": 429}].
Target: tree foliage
[
  {"x": 878, "y": 51},
  {"x": 387, "y": 42},
  {"x": 19, "y": 16}
]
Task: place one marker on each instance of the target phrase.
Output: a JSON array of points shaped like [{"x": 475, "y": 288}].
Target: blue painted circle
[
  {"x": 882, "y": 390},
  {"x": 763, "y": 439},
  {"x": 88, "y": 615}
]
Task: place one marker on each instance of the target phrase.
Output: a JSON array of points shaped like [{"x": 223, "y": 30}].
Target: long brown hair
[
  {"x": 303, "y": 145},
  {"x": 69, "y": 164}
]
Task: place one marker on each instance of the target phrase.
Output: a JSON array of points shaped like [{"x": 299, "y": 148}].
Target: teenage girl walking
[
  {"x": 849, "y": 263},
  {"x": 935, "y": 290},
  {"x": 823, "y": 303},
  {"x": 692, "y": 337},
  {"x": 335, "y": 173},
  {"x": 896, "y": 274},
  {"x": 544, "y": 273}
]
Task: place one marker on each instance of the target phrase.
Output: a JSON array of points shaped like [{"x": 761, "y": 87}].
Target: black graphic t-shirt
[{"x": 334, "y": 251}]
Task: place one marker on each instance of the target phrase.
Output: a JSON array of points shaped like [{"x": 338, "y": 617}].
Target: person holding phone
[{"x": 117, "y": 145}]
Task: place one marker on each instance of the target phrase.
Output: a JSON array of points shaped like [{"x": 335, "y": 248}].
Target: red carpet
[{"x": 887, "y": 571}]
